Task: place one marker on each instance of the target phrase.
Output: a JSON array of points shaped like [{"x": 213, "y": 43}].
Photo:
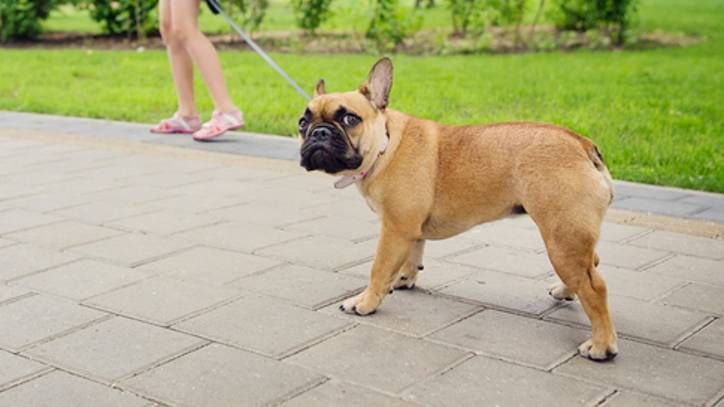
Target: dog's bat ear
[
  {"x": 379, "y": 83},
  {"x": 319, "y": 89}
]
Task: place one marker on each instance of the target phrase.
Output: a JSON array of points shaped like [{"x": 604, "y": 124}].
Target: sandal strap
[{"x": 223, "y": 120}]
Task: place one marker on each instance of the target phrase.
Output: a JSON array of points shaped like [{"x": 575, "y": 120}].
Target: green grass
[{"x": 657, "y": 114}]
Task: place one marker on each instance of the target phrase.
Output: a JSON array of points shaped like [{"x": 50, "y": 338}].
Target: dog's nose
[{"x": 321, "y": 133}]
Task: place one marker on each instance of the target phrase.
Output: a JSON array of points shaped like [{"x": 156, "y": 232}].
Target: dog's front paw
[
  {"x": 561, "y": 292},
  {"x": 598, "y": 352},
  {"x": 365, "y": 303}
]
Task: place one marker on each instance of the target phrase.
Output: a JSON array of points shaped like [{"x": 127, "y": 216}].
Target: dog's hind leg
[
  {"x": 407, "y": 277},
  {"x": 571, "y": 251},
  {"x": 561, "y": 292}
]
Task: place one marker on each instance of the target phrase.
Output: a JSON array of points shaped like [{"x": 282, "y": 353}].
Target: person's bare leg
[
  {"x": 184, "y": 14},
  {"x": 180, "y": 60}
]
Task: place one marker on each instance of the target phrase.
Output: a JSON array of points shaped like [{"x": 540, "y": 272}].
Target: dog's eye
[
  {"x": 303, "y": 123},
  {"x": 350, "y": 120}
]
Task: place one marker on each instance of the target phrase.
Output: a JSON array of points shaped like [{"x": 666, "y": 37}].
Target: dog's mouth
[
  {"x": 318, "y": 156},
  {"x": 326, "y": 149}
]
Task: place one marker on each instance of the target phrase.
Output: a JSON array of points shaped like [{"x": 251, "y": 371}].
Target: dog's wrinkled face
[{"x": 338, "y": 129}]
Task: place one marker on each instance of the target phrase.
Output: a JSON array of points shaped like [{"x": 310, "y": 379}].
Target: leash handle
[{"x": 255, "y": 47}]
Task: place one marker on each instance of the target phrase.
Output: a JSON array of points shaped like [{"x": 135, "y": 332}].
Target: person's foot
[
  {"x": 178, "y": 124},
  {"x": 219, "y": 124}
]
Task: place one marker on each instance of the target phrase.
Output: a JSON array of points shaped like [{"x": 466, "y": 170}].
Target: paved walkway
[{"x": 135, "y": 273}]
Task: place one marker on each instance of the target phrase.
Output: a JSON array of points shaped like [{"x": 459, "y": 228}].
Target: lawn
[{"x": 658, "y": 115}]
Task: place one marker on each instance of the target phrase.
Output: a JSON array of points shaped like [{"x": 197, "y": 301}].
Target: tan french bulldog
[{"x": 427, "y": 180}]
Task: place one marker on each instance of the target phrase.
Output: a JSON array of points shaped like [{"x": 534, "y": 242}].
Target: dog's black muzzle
[{"x": 326, "y": 148}]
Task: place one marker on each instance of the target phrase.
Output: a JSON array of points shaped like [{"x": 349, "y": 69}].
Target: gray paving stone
[
  {"x": 504, "y": 234},
  {"x": 303, "y": 198},
  {"x": 631, "y": 399},
  {"x": 627, "y": 256},
  {"x": 11, "y": 191},
  {"x": 265, "y": 214},
  {"x": 507, "y": 260},
  {"x": 669, "y": 208},
  {"x": 99, "y": 212},
  {"x": 523, "y": 340},
  {"x": 243, "y": 192},
  {"x": 704, "y": 298},
  {"x": 438, "y": 249},
  {"x": 636, "y": 284},
  {"x": 244, "y": 237},
  {"x": 353, "y": 208},
  {"x": 322, "y": 252},
  {"x": 168, "y": 179},
  {"x": 132, "y": 248},
  {"x": 22, "y": 259},
  {"x": 301, "y": 180},
  {"x": 482, "y": 381},
  {"x": 217, "y": 375},
  {"x": 81, "y": 279},
  {"x": 336, "y": 226},
  {"x": 705, "y": 199},
  {"x": 494, "y": 289},
  {"x": 8, "y": 293},
  {"x": 164, "y": 222},
  {"x": 118, "y": 169},
  {"x": 18, "y": 219},
  {"x": 691, "y": 269},
  {"x": 39, "y": 176},
  {"x": 377, "y": 358},
  {"x": 654, "y": 370},
  {"x": 15, "y": 368},
  {"x": 680, "y": 243},
  {"x": 436, "y": 274},
  {"x": 132, "y": 194},
  {"x": 335, "y": 394},
  {"x": 46, "y": 201},
  {"x": 209, "y": 265},
  {"x": 412, "y": 312},
  {"x": 648, "y": 191},
  {"x": 616, "y": 232},
  {"x": 653, "y": 322},
  {"x": 62, "y": 389},
  {"x": 708, "y": 341},
  {"x": 161, "y": 300},
  {"x": 197, "y": 204},
  {"x": 302, "y": 286},
  {"x": 248, "y": 174},
  {"x": 6, "y": 243},
  {"x": 64, "y": 234},
  {"x": 35, "y": 318},
  {"x": 712, "y": 214},
  {"x": 263, "y": 325},
  {"x": 114, "y": 349}
]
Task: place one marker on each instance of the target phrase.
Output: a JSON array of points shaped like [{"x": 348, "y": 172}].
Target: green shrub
[
  {"x": 477, "y": 14},
  {"x": 21, "y": 18},
  {"x": 391, "y": 24},
  {"x": 252, "y": 11},
  {"x": 613, "y": 16},
  {"x": 310, "y": 14},
  {"x": 128, "y": 17}
]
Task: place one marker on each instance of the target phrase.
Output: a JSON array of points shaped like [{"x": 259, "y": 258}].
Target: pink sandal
[
  {"x": 178, "y": 124},
  {"x": 219, "y": 124}
]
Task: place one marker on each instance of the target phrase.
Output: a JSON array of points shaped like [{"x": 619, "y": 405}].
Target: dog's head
[{"x": 343, "y": 131}]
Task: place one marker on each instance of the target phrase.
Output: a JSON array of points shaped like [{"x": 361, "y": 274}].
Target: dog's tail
[{"x": 597, "y": 158}]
